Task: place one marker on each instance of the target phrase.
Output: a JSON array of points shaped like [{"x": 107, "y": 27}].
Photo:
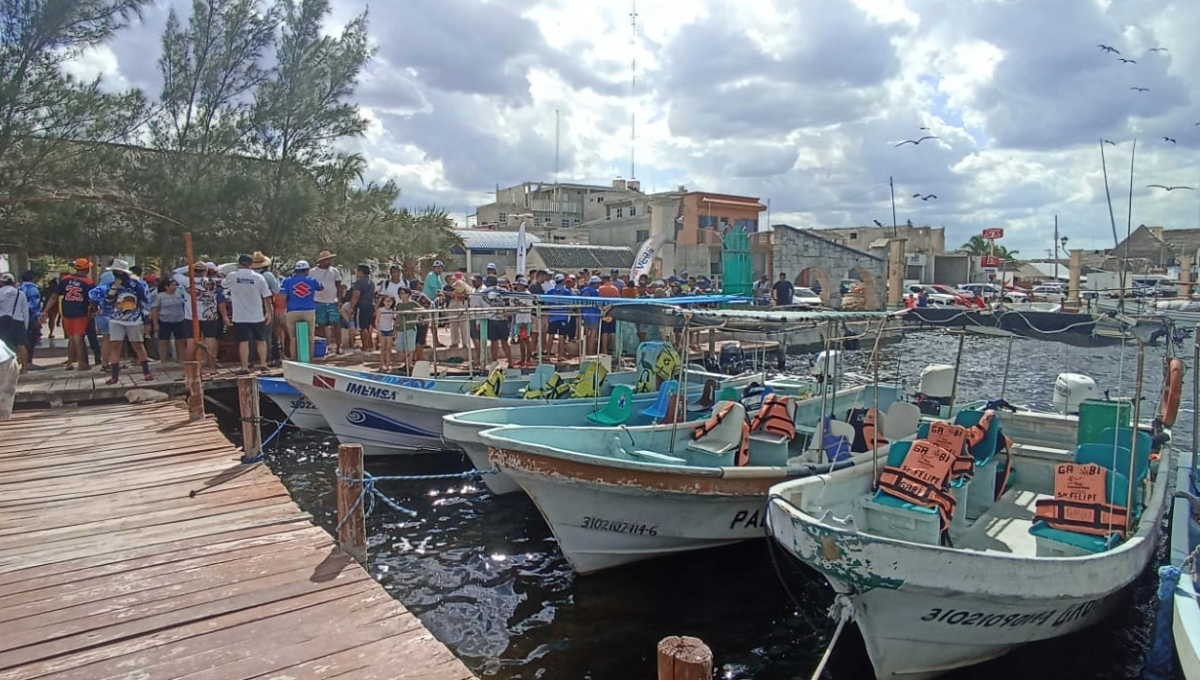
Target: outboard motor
[
  {"x": 732, "y": 357},
  {"x": 935, "y": 388},
  {"x": 1071, "y": 389},
  {"x": 827, "y": 366}
]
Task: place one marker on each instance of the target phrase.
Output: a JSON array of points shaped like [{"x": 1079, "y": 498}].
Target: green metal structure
[{"x": 737, "y": 273}]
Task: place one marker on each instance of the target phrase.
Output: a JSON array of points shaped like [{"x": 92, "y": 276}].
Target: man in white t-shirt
[
  {"x": 251, "y": 301},
  {"x": 329, "y": 315}
]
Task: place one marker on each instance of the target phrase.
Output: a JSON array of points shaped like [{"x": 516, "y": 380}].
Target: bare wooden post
[
  {"x": 352, "y": 534},
  {"x": 684, "y": 658},
  {"x": 248, "y": 405},
  {"x": 195, "y": 389}
]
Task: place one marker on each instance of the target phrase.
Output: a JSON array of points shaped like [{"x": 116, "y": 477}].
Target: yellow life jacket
[
  {"x": 645, "y": 382},
  {"x": 667, "y": 364},
  {"x": 491, "y": 386},
  {"x": 588, "y": 383},
  {"x": 554, "y": 388}
]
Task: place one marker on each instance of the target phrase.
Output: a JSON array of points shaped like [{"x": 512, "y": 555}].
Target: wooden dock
[{"x": 134, "y": 545}]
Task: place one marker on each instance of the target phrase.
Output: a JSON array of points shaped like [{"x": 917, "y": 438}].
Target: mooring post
[
  {"x": 248, "y": 406},
  {"x": 195, "y": 390},
  {"x": 684, "y": 658},
  {"x": 352, "y": 525}
]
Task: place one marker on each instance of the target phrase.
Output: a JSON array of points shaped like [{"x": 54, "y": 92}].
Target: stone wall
[{"x": 799, "y": 252}]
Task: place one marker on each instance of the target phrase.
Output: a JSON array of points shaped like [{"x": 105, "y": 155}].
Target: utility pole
[
  {"x": 892, "y": 186},
  {"x": 1056, "y": 248}
]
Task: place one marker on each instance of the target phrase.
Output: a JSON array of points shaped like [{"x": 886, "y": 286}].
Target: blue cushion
[
  {"x": 883, "y": 498},
  {"x": 1088, "y": 542},
  {"x": 1124, "y": 437},
  {"x": 985, "y": 450}
]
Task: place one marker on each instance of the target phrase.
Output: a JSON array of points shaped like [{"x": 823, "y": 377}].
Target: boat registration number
[
  {"x": 599, "y": 524},
  {"x": 371, "y": 391},
  {"x": 1055, "y": 617}
]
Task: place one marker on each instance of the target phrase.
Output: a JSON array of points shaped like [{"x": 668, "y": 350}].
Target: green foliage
[{"x": 978, "y": 246}]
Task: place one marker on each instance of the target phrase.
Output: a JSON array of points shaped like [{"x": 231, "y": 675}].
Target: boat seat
[
  {"x": 661, "y": 406},
  {"x": 421, "y": 369},
  {"x": 721, "y": 434},
  {"x": 1126, "y": 437},
  {"x": 728, "y": 394},
  {"x": 618, "y": 409},
  {"x": 706, "y": 399},
  {"x": 901, "y": 421},
  {"x": 837, "y": 429},
  {"x": 983, "y": 484},
  {"x": 923, "y": 529},
  {"x": 1053, "y": 542},
  {"x": 656, "y": 457}
]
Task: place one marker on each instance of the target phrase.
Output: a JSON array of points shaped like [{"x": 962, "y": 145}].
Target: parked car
[
  {"x": 933, "y": 297},
  {"x": 1050, "y": 292},
  {"x": 987, "y": 291},
  {"x": 806, "y": 296},
  {"x": 961, "y": 297}
]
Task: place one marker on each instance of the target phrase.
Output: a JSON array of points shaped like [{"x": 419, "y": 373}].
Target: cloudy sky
[{"x": 797, "y": 101}]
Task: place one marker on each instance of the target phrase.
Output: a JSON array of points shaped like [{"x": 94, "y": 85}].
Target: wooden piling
[
  {"x": 248, "y": 406},
  {"x": 195, "y": 390},
  {"x": 684, "y": 658},
  {"x": 352, "y": 534}
]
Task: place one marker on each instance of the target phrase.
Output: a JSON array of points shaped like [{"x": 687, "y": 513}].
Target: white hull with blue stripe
[
  {"x": 300, "y": 411},
  {"x": 925, "y": 606}
]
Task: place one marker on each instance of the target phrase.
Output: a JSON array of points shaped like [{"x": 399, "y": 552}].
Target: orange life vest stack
[
  {"x": 1080, "y": 502},
  {"x": 954, "y": 439},
  {"x": 871, "y": 429},
  {"x": 923, "y": 478},
  {"x": 775, "y": 418}
]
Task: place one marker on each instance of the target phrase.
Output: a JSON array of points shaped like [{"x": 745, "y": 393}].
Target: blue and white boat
[{"x": 302, "y": 412}]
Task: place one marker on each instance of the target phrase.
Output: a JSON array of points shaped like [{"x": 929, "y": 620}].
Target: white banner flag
[
  {"x": 521, "y": 248},
  {"x": 643, "y": 263}
]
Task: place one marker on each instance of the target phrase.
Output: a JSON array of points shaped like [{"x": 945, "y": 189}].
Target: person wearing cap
[
  {"x": 209, "y": 297},
  {"x": 73, "y": 292},
  {"x": 328, "y": 314},
  {"x": 490, "y": 270},
  {"x": 250, "y": 298},
  {"x": 608, "y": 327},
  {"x": 14, "y": 318},
  {"x": 124, "y": 302},
  {"x": 301, "y": 290},
  {"x": 590, "y": 315},
  {"x": 433, "y": 279},
  {"x": 559, "y": 320}
]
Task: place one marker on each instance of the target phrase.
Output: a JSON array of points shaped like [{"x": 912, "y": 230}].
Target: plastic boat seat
[
  {"x": 1126, "y": 437},
  {"x": 618, "y": 409},
  {"x": 728, "y": 394},
  {"x": 983, "y": 484},
  {"x": 706, "y": 399},
  {"x": 422, "y": 369},
  {"x": 656, "y": 457},
  {"x": 901, "y": 421},
  {"x": 661, "y": 406},
  {"x": 896, "y": 518},
  {"x": 723, "y": 438},
  {"x": 1052, "y": 542}
]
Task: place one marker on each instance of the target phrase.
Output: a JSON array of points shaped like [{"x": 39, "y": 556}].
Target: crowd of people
[{"x": 149, "y": 317}]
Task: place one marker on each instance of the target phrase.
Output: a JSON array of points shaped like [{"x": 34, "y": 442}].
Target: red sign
[
  {"x": 324, "y": 382},
  {"x": 989, "y": 261},
  {"x": 992, "y": 234}
]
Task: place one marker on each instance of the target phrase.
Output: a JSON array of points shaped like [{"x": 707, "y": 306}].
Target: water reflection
[{"x": 484, "y": 575}]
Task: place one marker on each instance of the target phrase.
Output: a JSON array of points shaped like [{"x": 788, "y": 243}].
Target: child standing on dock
[
  {"x": 406, "y": 335},
  {"x": 385, "y": 322}
]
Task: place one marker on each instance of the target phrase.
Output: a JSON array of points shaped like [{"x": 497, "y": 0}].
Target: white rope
[{"x": 843, "y": 610}]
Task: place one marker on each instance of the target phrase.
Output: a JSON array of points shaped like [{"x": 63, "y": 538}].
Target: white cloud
[{"x": 797, "y": 102}]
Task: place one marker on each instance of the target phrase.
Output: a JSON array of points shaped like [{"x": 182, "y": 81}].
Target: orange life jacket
[
  {"x": 923, "y": 478},
  {"x": 713, "y": 421},
  {"x": 1080, "y": 502},
  {"x": 953, "y": 438},
  {"x": 774, "y": 418},
  {"x": 978, "y": 432},
  {"x": 743, "y": 455},
  {"x": 870, "y": 425}
]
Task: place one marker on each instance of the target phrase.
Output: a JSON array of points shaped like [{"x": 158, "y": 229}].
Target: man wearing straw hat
[
  {"x": 328, "y": 313},
  {"x": 73, "y": 290}
]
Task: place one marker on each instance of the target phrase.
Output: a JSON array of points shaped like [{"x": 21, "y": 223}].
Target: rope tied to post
[
  {"x": 369, "y": 493},
  {"x": 842, "y": 609}
]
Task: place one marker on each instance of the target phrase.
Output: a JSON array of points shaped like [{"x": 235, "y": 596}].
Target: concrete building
[
  {"x": 547, "y": 207},
  {"x": 808, "y": 257},
  {"x": 922, "y": 248},
  {"x": 1152, "y": 249}
]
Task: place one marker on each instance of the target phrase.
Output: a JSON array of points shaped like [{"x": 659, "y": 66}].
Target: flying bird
[
  {"x": 1168, "y": 139},
  {"x": 1158, "y": 49},
  {"x": 1123, "y": 60},
  {"x": 1160, "y": 186},
  {"x": 924, "y": 128},
  {"x": 877, "y": 223},
  {"x": 1140, "y": 89},
  {"x": 1108, "y": 48},
  {"x": 914, "y": 142},
  {"x": 926, "y": 197},
  {"x": 1109, "y": 141}
]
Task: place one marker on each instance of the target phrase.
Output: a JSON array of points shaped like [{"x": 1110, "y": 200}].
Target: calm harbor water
[{"x": 484, "y": 574}]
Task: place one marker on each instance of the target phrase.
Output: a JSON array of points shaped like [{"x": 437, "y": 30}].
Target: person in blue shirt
[
  {"x": 34, "y": 295},
  {"x": 126, "y": 305},
  {"x": 301, "y": 291},
  {"x": 591, "y": 315},
  {"x": 560, "y": 318}
]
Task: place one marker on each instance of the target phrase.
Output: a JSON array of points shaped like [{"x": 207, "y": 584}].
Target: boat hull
[
  {"x": 300, "y": 411},
  {"x": 605, "y": 516}
]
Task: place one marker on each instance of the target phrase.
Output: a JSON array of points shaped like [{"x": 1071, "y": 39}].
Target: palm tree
[{"x": 978, "y": 246}]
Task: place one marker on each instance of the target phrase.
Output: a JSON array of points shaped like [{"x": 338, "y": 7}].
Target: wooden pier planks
[{"x": 110, "y": 567}]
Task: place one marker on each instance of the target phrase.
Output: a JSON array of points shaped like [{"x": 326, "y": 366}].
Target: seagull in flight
[
  {"x": 915, "y": 142},
  {"x": 1108, "y": 48},
  {"x": 878, "y": 223},
  {"x": 1140, "y": 89},
  {"x": 1109, "y": 141},
  {"x": 1123, "y": 60},
  {"x": 1168, "y": 139},
  {"x": 924, "y": 128},
  {"x": 926, "y": 197},
  {"x": 1160, "y": 186},
  {"x": 1158, "y": 49}
]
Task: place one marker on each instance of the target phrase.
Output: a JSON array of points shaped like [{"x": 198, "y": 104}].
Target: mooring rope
[
  {"x": 370, "y": 492},
  {"x": 843, "y": 610}
]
